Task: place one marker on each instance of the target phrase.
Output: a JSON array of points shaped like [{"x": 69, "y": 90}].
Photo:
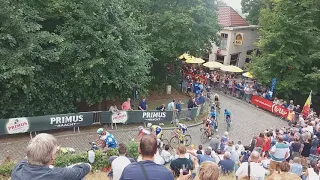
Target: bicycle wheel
[
  {"x": 174, "y": 142},
  {"x": 187, "y": 140},
  {"x": 204, "y": 137}
]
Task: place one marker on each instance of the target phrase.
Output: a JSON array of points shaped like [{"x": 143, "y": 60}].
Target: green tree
[
  {"x": 57, "y": 53},
  {"x": 290, "y": 46},
  {"x": 252, "y": 9},
  {"x": 175, "y": 27}
]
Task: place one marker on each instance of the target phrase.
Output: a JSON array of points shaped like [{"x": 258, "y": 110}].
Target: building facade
[{"x": 237, "y": 39}]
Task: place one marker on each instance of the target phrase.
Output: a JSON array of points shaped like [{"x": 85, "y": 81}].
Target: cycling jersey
[
  {"x": 227, "y": 113},
  {"x": 183, "y": 127},
  {"x": 145, "y": 132},
  {"x": 213, "y": 115},
  {"x": 157, "y": 129},
  {"x": 111, "y": 141}
]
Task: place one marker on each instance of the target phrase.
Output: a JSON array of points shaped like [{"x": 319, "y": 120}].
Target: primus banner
[
  {"x": 135, "y": 116},
  {"x": 41, "y": 123}
]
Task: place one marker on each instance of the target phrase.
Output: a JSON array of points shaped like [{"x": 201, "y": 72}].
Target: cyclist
[
  {"x": 213, "y": 107},
  {"x": 227, "y": 115},
  {"x": 106, "y": 139},
  {"x": 213, "y": 115},
  {"x": 141, "y": 133},
  {"x": 217, "y": 100},
  {"x": 181, "y": 131},
  {"x": 157, "y": 131}
]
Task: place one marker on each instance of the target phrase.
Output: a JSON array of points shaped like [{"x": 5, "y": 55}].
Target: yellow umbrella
[
  {"x": 231, "y": 69},
  {"x": 248, "y": 75},
  {"x": 213, "y": 64},
  {"x": 194, "y": 60},
  {"x": 185, "y": 56}
]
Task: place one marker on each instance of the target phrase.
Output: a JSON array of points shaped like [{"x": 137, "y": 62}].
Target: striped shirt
[{"x": 279, "y": 151}]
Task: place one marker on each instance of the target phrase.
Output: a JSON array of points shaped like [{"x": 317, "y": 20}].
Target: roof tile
[{"x": 228, "y": 17}]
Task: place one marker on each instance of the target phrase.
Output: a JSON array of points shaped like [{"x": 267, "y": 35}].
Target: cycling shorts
[{"x": 228, "y": 116}]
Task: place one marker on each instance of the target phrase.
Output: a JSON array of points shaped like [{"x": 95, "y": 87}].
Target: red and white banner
[{"x": 269, "y": 106}]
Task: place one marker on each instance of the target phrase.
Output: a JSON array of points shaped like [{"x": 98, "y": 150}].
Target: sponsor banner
[
  {"x": 17, "y": 125},
  {"x": 269, "y": 106},
  {"x": 157, "y": 115},
  {"x": 121, "y": 117},
  {"x": 42, "y": 123},
  {"x": 136, "y": 116}
]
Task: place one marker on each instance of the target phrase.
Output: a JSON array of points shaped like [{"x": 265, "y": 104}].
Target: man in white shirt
[
  {"x": 257, "y": 172},
  {"x": 166, "y": 155},
  {"x": 119, "y": 163}
]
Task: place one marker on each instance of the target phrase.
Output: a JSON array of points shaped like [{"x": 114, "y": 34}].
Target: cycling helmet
[
  {"x": 100, "y": 131},
  {"x": 149, "y": 125},
  {"x": 140, "y": 128},
  {"x": 225, "y": 110}
]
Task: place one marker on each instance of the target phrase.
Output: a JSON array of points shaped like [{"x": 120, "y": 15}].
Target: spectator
[
  {"x": 146, "y": 169},
  {"x": 260, "y": 142},
  {"x": 179, "y": 109},
  {"x": 279, "y": 153},
  {"x": 296, "y": 147},
  {"x": 297, "y": 111},
  {"x": 214, "y": 143},
  {"x": 235, "y": 154},
  {"x": 166, "y": 155},
  {"x": 241, "y": 147},
  {"x": 41, "y": 152},
  {"x": 291, "y": 106},
  {"x": 191, "y": 104},
  {"x": 171, "y": 106},
  {"x": 227, "y": 165},
  {"x": 267, "y": 144},
  {"x": 161, "y": 108},
  {"x": 181, "y": 161},
  {"x": 203, "y": 157},
  {"x": 200, "y": 151},
  {"x": 208, "y": 171},
  {"x": 229, "y": 148},
  {"x": 305, "y": 151},
  {"x": 256, "y": 170},
  {"x": 119, "y": 163},
  {"x": 113, "y": 108},
  {"x": 224, "y": 140},
  {"x": 283, "y": 173},
  {"x": 158, "y": 158},
  {"x": 126, "y": 105},
  {"x": 143, "y": 105},
  {"x": 313, "y": 171},
  {"x": 296, "y": 167}
]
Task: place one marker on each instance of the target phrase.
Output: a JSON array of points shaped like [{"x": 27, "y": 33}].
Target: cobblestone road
[{"x": 247, "y": 120}]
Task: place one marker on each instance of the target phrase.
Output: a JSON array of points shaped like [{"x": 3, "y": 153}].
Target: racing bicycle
[{"x": 178, "y": 138}]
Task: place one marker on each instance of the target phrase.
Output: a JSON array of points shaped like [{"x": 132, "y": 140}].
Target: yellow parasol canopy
[
  {"x": 231, "y": 69},
  {"x": 185, "y": 56},
  {"x": 248, "y": 75},
  {"x": 194, "y": 60},
  {"x": 213, "y": 64}
]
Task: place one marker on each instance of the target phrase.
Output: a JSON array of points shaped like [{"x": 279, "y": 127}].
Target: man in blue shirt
[
  {"x": 178, "y": 108},
  {"x": 147, "y": 168},
  {"x": 143, "y": 105},
  {"x": 227, "y": 165},
  {"x": 203, "y": 157}
]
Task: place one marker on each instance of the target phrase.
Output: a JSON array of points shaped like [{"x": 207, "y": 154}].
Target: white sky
[{"x": 235, "y": 4}]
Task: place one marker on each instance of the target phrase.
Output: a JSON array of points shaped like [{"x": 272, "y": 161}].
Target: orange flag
[{"x": 306, "y": 107}]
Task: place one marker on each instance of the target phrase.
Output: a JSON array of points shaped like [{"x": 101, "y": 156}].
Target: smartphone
[{"x": 185, "y": 171}]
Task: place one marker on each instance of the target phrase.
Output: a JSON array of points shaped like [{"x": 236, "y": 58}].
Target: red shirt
[
  {"x": 126, "y": 106},
  {"x": 266, "y": 147},
  {"x": 260, "y": 142}
]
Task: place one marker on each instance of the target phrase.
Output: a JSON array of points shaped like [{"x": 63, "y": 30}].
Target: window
[
  {"x": 220, "y": 59},
  {"x": 234, "y": 59},
  {"x": 224, "y": 40},
  {"x": 248, "y": 58}
]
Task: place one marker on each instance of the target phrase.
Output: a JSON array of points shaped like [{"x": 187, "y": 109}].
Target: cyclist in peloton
[
  {"x": 227, "y": 115},
  {"x": 141, "y": 133},
  {"x": 216, "y": 100},
  {"x": 106, "y": 139},
  {"x": 157, "y": 131}
]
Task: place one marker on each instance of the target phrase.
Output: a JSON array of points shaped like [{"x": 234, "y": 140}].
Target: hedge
[{"x": 63, "y": 160}]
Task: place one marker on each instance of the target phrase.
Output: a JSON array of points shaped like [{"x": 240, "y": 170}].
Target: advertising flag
[{"x": 306, "y": 107}]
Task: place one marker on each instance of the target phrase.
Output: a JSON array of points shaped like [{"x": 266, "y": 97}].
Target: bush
[{"x": 6, "y": 169}]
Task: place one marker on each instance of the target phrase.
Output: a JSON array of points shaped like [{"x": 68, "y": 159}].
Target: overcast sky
[{"x": 235, "y": 4}]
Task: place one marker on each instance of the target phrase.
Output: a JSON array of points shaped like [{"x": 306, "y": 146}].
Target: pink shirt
[{"x": 126, "y": 106}]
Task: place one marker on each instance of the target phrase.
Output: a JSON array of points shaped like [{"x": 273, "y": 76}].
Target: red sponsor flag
[{"x": 306, "y": 107}]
